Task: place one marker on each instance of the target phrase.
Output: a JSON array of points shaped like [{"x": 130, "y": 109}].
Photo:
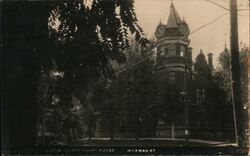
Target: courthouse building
[{"x": 184, "y": 83}]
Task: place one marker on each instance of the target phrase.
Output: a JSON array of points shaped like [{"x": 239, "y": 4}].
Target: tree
[
  {"x": 134, "y": 92},
  {"x": 244, "y": 66},
  {"x": 220, "y": 87},
  {"x": 87, "y": 39},
  {"x": 224, "y": 70},
  {"x": 218, "y": 105}
]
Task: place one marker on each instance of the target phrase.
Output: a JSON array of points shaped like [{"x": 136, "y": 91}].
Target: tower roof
[{"x": 173, "y": 19}]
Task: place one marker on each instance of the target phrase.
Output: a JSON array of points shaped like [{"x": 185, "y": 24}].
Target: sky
[{"x": 212, "y": 38}]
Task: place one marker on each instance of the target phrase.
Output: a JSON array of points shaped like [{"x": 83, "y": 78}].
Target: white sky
[{"x": 196, "y": 13}]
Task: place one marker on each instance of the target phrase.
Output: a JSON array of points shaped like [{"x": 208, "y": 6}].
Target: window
[
  {"x": 172, "y": 77},
  {"x": 198, "y": 96},
  {"x": 181, "y": 53},
  {"x": 172, "y": 50},
  {"x": 182, "y": 50},
  {"x": 162, "y": 51},
  {"x": 203, "y": 94}
]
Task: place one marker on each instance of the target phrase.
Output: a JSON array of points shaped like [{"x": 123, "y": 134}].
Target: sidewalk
[{"x": 127, "y": 140}]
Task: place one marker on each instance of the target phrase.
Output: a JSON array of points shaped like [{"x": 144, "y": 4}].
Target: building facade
[{"x": 184, "y": 82}]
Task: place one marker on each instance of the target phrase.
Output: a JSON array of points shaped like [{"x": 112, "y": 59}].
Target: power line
[
  {"x": 227, "y": 8},
  {"x": 243, "y": 15},
  {"x": 218, "y": 5},
  {"x": 147, "y": 57},
  {"x": 208, "y": 23},
  {"x": 225, "y": 1},
  {"x": 243, "y": 9}
]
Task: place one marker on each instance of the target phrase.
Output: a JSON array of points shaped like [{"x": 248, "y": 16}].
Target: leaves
[
  {"x": 86, "y": 38},
  {"x": 90, "y": 36}
]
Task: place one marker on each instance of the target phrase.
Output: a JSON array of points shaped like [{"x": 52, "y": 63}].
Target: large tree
[
  {"x": 89, "y": 36},
  {"x": 135, "y": 92},
  {"x": 220, "y": 87}
]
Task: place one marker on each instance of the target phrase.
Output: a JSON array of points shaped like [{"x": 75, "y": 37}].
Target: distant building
[{"x": 203, "y": 70}]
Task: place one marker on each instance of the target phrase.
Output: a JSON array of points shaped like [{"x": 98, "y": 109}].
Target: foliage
[
  {"x": 92, "y": 35},
  {"x": 244, "y": 66},
  {"x": 139, "y": 90},
  {"x": 128, "y": 99},
  {"x": 220, "y": 109},
  {"x": 88, "y": 36},
  {"x": 224, "y": 70},
  {"x": 224, "y": 60}
]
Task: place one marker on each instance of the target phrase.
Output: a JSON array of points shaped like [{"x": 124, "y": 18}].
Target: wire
[
  {"x": 243, "y": 15},
  {"x": 147, "y": 57},
  {"x": 218, "y": 5},
  {"x": 225, "y": 1},
  {"x": 243, "y": 9},
  {"x": 209, "y": 23},
  {"x": 228, "y": 9}
]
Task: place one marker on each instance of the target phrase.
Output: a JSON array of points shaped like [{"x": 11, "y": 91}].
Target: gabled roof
[{"x": 173, "y": 19}]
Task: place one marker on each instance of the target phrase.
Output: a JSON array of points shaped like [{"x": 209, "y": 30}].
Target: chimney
[{"x": 210, "y": 61}]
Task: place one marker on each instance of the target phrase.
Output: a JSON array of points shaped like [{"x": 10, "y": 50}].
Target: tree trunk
[{"x": 66, "y": 99}]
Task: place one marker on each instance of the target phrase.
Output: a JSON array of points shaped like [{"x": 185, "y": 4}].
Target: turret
[
  {"x": 173, "y": 43},
  {"x": 175, "y": 27}
]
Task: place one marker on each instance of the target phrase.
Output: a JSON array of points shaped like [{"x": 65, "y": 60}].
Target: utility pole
[{"x": 235, "y": 68}]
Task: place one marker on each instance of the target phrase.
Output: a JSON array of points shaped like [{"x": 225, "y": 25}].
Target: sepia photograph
[{"x": 125, "y": 77}]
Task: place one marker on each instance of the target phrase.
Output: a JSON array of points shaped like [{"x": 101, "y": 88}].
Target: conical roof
[{"x": 173, "y": 19}]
